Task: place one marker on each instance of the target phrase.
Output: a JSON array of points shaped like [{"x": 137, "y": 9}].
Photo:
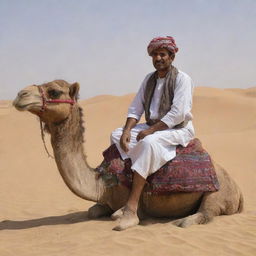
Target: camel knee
[
  {"x": 217, "y": 203},
  {"x": 99, "y": 210}
]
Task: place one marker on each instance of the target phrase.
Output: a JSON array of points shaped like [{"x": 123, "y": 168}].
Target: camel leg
[
  {"x": 211, "y": 205},
  {"x": 197, "y": 218},
  {"x": 228, "y": 200},
  {"x": 99, "y": 210}
]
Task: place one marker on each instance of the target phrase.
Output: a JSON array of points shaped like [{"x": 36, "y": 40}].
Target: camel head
[{"x": 50, "y": 101}]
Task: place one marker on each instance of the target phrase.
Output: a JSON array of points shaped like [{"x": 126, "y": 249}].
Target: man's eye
[{"x": 54, "y": 94}]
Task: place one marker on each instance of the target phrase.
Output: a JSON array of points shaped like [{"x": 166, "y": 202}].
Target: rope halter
[{"x": 46, "y": 101}]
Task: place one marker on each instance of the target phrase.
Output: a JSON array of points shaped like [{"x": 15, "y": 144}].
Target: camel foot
[
  {"x": 197, "y": 218},
  {"x": 99, "y": 210},
  {"x": 127, "y": 220}
]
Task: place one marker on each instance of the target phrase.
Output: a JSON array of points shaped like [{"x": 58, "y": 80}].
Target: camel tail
[{"x": 241, "y": 203}]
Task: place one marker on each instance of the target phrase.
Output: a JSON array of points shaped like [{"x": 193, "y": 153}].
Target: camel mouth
[
  {"x": 28, "y": 99},
  {"x": 21, "y": 107},
  {"x": 24, "y": 107}
]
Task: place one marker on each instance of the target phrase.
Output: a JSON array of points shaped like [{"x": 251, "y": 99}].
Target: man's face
[{"x": 162, "y": 59}]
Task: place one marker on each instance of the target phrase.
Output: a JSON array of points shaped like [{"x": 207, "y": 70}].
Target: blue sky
[{"x": 102, "y": 44}]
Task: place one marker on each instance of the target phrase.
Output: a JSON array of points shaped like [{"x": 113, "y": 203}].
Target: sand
[{"x": 40, "y": 216}]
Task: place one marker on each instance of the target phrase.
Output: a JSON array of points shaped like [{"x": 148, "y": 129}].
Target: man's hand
[
  {"x": 124, "y": 140},
  {"x": 159, "y": 126},
  {"x": 144, "y": 133}
]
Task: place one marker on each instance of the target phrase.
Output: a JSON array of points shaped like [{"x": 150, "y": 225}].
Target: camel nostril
[{"x": 23, "y": 93}]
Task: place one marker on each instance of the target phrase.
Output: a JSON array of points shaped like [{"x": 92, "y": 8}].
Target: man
[{"x": 166, "y": 98}]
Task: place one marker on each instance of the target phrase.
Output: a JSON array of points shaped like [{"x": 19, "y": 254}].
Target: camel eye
[{"x": 54, "y": 94}]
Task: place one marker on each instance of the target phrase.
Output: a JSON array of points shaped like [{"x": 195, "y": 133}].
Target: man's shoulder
[
  {"x": 149, "y": 75},
  {"x": 183, "y": 75}
]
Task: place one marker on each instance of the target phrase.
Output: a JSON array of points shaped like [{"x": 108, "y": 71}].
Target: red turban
[{"x": 167, "y": 42}]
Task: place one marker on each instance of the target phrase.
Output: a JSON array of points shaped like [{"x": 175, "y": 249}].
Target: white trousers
[{"x": 151, "y": 153}]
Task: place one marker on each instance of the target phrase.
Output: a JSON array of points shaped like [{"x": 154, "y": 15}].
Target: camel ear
[{"x": 74, "y": 90}]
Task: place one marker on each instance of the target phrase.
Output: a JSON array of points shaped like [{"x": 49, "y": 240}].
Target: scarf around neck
[{"x": 167, "y": 94}]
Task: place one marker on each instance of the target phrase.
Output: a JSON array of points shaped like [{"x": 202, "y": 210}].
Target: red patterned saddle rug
[{"x": 190, "y": 171}]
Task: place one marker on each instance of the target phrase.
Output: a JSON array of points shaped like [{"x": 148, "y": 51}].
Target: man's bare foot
[
  {"x": 127, "y": 220},
  {"x": 118, "y": 214}
]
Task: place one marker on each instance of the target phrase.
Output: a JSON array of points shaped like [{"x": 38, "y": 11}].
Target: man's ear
[
  {"x": 74, "y": 90},
  {"x": 173, "y": 56}
]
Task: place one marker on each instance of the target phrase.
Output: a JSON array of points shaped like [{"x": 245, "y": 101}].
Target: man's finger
[
  {"x": 127, "y": 139},
  {"x": 122, "y": 144},
  {"x": 138, "y": 137},
  {"x": 126, "y": 148}
]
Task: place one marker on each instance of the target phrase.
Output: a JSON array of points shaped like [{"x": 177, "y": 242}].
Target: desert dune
[{"x": 40, "y": 216}]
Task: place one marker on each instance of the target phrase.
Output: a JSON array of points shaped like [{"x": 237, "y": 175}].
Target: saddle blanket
[{"x": 190, "y": 171}]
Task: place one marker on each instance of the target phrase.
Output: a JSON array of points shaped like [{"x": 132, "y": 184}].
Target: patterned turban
[{"x": 167, "y": 42}]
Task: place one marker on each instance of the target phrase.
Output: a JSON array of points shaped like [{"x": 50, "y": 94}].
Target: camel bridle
[{"x": 46, "y": 101}]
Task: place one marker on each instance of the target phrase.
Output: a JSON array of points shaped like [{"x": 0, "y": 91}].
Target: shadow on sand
[{"x": 70, "y": 218}]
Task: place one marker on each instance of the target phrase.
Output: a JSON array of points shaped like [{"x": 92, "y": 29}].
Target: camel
[{"x": 55, "y": 103}]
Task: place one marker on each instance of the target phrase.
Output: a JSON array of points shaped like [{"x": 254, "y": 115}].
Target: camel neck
[{"x": 67, "y": 143}]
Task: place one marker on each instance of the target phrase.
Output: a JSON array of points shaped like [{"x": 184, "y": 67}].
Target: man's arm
[
  {"x": 181, "y": 106},
  {"x": 126, "y": 136},
  {"x": 135, "y": 112},
  {"x": 182, "y": 102}
]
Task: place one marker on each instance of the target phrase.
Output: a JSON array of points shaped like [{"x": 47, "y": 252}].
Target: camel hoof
[{"x": 99, "y": 210}]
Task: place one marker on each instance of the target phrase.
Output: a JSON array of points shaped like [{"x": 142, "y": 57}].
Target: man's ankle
[{"x": 131, "y": 208}]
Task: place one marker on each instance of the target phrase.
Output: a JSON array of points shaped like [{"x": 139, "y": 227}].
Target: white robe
[{"x": 152, "y": 152}]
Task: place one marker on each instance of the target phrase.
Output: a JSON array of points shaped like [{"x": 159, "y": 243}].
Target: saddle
[{"x": 191, "y": 170}]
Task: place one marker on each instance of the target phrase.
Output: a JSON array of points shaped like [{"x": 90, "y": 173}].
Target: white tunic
[{"x": 152, "y": 152}]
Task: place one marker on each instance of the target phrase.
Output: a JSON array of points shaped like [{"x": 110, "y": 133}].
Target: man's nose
[{"x": 158, "y": 57}]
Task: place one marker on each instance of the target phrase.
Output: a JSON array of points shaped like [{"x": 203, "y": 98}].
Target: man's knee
[
  {"x": 113, "y": 134},
  {"x": 116, "y": 134},
  {"x": 149, "y": 140}
]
